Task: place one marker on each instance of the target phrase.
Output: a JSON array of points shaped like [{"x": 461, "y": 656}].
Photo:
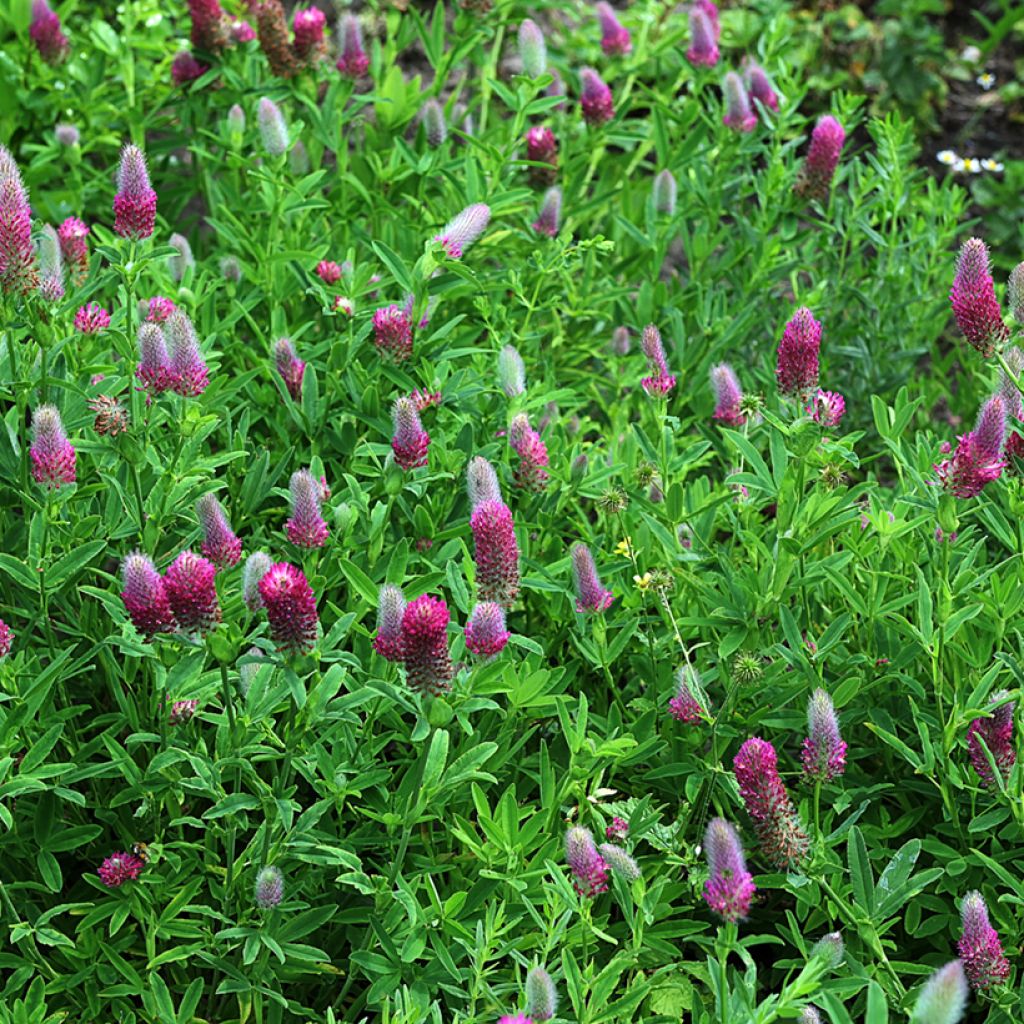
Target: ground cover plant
[{"x": 507, "y": 513}]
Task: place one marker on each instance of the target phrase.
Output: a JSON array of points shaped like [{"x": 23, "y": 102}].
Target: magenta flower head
[
  {"x": 135, "y": 202},
  {"x": 18, "y": 275},
  {"x": 192, "y": 592},
  {"x": 144, "y": 596},
  {"x": 328, "y": 271},
  {"x": 815, "y": 177},
  {"x": 730, "y": 886},
  {"x": 531, "y": 474},
  {"x": 45, "y": 32},
  {"x": 6, "y": 639},
  {"x": 541, "y": 995},
  {"x": 273, "y": 128},
  {"x": 973, "y": 297},
  {"x": 532, "y": 50},
  {"x": 188, "y": 369},
  {"x": 514, "y": 1018},
  {"x": 979, "y": 947},
  {"x": 759, "y": 85},
  {"x": 353, "y": 62},
  {"x": 996, "y": 733},
  {"x": 390, "y": 611},
  {"x": 738, "y": 112},
  {"x": 827, "y": 408},
  {"x": 797, "y": 368},
  {"x": 824, "y": 752},
  {"x": 308, "y": 24},
  {"x": 464, "y": 229},
  {"x": 53, "y": 456},
  {"x": 209, "y": 25},
  {"x": 542, "y": 148},
  {"x": 291, "y": 608},
  {"x": 306, "y": 528},
  {"x": 496, "y": 552},
  {"x": 614, "y": 37},
  {"x": 486, "y": 634},
  {"x": 783, "y": 841},
  {"x": 664, "y": 193},
  {"x": 661, "y": 382},
  {"x": 158, "y": 309},
  {"x": 547, "y": 223},
  {"x": 119, "y": 868},
  {"x": 424, "y": 645},
  {"x": 410, "y": 441},
  {"x": 703, "y": 51},
  {"x": 185, "y": 68},
  {"x": 257, "y": 565},
  {"x": 269, "y": 887},
  {"x": 591, "y": 596},
  {"x": 220, "y": 545},
  {"x": 182, "y": 711},
  {"x": 618, "y": 829},
  {"x": 290, "y": 367},
  {"x": 978, "y": 459},
  {"x": 943, "y": 996},
  {"x": 74, "y": 247},
  {"x": 689, "y": 704},
  {"x": 392, "y": 333},
  {"x": 595, "y": 98},
  {"x": 154, "y": 366},
  {"x": 242, "y": 32},
  {"x": 588, "y": 867},
  {"x": 728, "y": 396}
]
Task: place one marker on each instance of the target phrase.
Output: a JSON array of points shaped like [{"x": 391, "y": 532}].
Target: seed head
[{"x": 269, "y": 887}]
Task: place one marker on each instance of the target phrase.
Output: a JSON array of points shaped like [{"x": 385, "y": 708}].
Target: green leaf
[
  {"x": 860, "y": 870},
  {"x": 878, "y": 1008}
]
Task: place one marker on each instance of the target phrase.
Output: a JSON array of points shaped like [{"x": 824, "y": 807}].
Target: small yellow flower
[
  {"x": 643, "y": 582},
  {"x": 972, "y": 165},
  {"x": 624, "y": 547}
]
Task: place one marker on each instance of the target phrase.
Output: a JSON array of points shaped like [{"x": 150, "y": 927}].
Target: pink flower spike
[
  {"x": 159, "y": 309},
  {"x": 353, "y": 62},
  {"x": 306, "y": 528},
  {"x": 185, "y": 68},
  {"x": 154, "y": 366},
  {"x": 209, "y": 25},
  {"x": 291, "y": 608},
  {"x": 45, "y": 31},
  {"x": 531, "y": 474},
  {"x": 144, "y": 596},
  {"x": 328, "y": 271},
  {"x": 135, "y": 202},
  {"x": 689, "y": 704},
  {"x": 18, "y": 274},
  {"x": 91, "y": 319},
  {"x": 703, "y": 51},
  {"x": 188, "y": 368},
  {"x": 661, "y": 382},
  {"x": 797, "y": 367},
  {"x": 464, "y": 229},
  {"x": 973, "y": 297},
  {"x": 728, "y": 396},
  {"x": 308, "y": 25},
  {"x": 542, "y": 148},
  {"x": 824, "y": 751},
  {"x": 242, "y": 32},
  {"x": 424, "y": 644},
  {"x": 192, "y": 592},
  {"x": 410, "y": 441},
  {"x": 978, "y": 459},
  {"x": 614, "y": 37},
  {"x": 996, "y": 733},
  {"x": 738, "y": 112},
  {"x": 220, "y": 545},
  {"x": 290, "y": 367},
  {"x": 815, "y": 177},
  {"x": 591, "y": 596},
  {"x": 119, "y": 868},
  {"x": 595, "y": 98},
  {"x": 588, "y": 867},
  {"x": 759, "y": 86},
  {"x": 182, "y": 711},
  {"x": 827, "y": 408},
  {"x": 515, "y": 1018},
  {"x": 486, "y": 634},
  {"x": 74, "y": 247},
  {"x": 550, "y": 213},
  {"x": 53, "y": 456},
  {"x": 496, "y": 552},
  {"x": 617, "y": 829},
  {"x": 6, "y": 639},
  {"x": 783, "y": 840},
  {"x": 392, "y": 333},
  {"x": 979, "y": 947},
  {"x": 730, "y": 887},
  {"x": 710, "y": 11},
  {"x": 482, "y": 484},
  {"x": 391, "y": 605}
]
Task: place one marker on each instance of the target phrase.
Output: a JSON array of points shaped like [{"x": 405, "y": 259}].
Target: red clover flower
[
  {"x": 591, "y": 596},
  {"x": 595, "y": 98},
  {"x": 588, "y": 867},
  {"x": 91, "y": 319},
  {"x": 74, "y": 247},
  {"x": 189, "y": 372},
  {"x": 220, "y": 545},
  {"x": 135, "y": 202},
  {"x": 18, "y": 275},
  {"x": 661, "y": 382},
  {"x": 145, "y": 597},
  {"x": 119, "y": 868},
  {"x": 289, "y": 366},
  {"x": 391, "y": 605},
  {"x": 486, "y": 634},
  {"x": 291, "y": 608},
  {"x": 738, "y": 112},
  {"x": 392, "y": 333},
  {"x": 703, "y": 51},
  {"x": 996, "y": 732},
  {"x": 730, "y": 886},
  {"x": 824, "y": 751},
  {"x": 815, "y": 177},
  {"x": 424, "y": 645},
  {"x": 192, "y": 592},
  {"x": 53, "y": 456},
  {"x": 410, "y": 441},
  {"x": 464, "y": 229},
  {"x": 269, "y": 887},
  {"x": 45, "y": 31},
  {"x": 614, "y": 37},
  {"x": 797, "y": 367},
  {"x": 496, "y": 552},
  {"x": 979, "y": 947},
  {"x": 728, "y": 396},
  {"x": 973, "y": 297},
  {"x": 257, "y": 565},
  {"x": 547, "y": 222},
  {"x": 353, "y": 62},
  {"x": 531, "y": 474},
  {"x": 306, "y": 527}
]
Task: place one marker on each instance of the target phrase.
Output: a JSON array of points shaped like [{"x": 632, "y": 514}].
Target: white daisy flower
[
  {"x": 970, "y": 54},
  {"x": 992, "y": 165},
  {"x": 959, "y": 165},
  {"x": 947, "y": 157},
  {"x": 972, "y": 165},
  {"x": 986, "y": 80}
]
